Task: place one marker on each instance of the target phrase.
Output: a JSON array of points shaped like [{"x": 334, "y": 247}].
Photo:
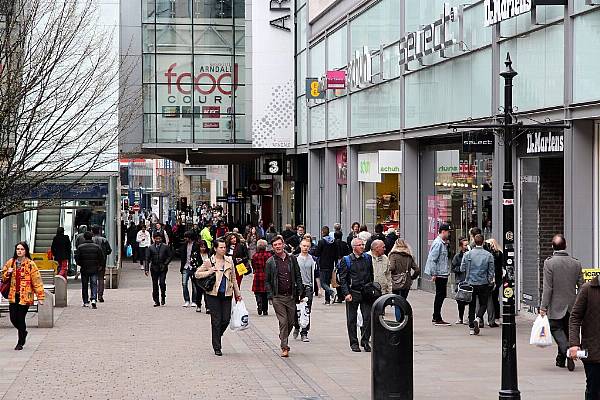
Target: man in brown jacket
[
  {"x": 585, "y": 316},
  {"x": 562, "y": 275}
]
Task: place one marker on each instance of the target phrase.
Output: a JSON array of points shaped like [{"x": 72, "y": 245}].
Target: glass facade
[{"x": 194, "y": 71}]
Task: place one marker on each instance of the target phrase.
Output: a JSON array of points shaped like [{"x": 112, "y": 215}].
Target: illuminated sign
[
  {"x": 501, "y": 10},
  {"x": 314, "y": 89}
]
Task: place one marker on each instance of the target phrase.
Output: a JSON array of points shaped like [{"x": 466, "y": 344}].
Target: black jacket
[
  {"x": 182, "y": 253},
  {"x": 390, "y": 240},
  {"x": 377, "y": 236},
  {"x": 158, "y": 259},
  {"x": 342, "y": 248},
  {"x": 61, "y": 247},
  {"x": 90, "y": 257},
  {"x": 271, "y": 282},
  {"x": 104, "y": 245},
  {"x": 327, "y": 253},
  {"x": 354, "y": 278}
]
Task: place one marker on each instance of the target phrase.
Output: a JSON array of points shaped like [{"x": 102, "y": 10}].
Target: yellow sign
[
  {"x": 589, "y": 274},
  {"x": 508, "y": 293}
]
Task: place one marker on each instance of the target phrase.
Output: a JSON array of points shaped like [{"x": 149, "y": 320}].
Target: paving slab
[{"x": 127, "y": 349}]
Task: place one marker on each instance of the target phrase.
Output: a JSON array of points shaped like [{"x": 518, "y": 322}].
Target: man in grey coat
[{"x": 562, "y": 275}]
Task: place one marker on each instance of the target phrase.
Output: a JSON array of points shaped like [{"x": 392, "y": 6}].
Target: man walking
[
  {"x": 381, "y": 266},
  {"x": 188, "y": 251},
  {"x": 562, "y": 275},
  {"x": 307, "y": 266},
  {"x": 106, "y": 249},
  {"x": 437, "y": 268},
  {"x": 479, "y": 267},
  {"x": 356, "y": 270},
  {"x": 585, "y": 318},
  {"x": 90, "y": 257},
  {"x": 327, "y": 254},
  {"x": 157, "y": 261},
  {"x": 284, "y": 288}
]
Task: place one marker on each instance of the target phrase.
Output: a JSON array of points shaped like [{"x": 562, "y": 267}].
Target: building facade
[{"x": 380, "y": 151}]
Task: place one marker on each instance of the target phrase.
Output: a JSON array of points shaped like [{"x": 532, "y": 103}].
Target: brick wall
[{"x": 551, "y": 207}]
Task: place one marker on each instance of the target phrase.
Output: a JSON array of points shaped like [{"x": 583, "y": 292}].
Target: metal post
[{"x": 510, "y": 385}]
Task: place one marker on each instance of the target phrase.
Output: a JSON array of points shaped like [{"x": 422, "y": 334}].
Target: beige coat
[
  {"x": 229, "y": 272},
  {"x": 381, "y": 272}
]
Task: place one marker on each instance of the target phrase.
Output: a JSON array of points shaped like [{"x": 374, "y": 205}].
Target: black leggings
[{"x": 17, "y": 318}]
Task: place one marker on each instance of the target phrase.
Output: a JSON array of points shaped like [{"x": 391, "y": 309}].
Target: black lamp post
[{"x": 510, "y": 384}]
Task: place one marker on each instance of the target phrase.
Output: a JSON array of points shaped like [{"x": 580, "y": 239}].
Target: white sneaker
[
  {"x": 459, "y": 322},
  {"x": 141, "y": 268},
  {"x": 193, "y": 304},
  {"x": 186, "y": 304},
  {"x": 471, "y": 331},
  {"x": 85, "y": 305}
]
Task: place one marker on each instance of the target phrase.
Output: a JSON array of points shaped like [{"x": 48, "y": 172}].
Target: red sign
[
  {"x": 336, "y": 79},
  {"x": 135, "y": 208},
  {"x": 211, "y": 112}
]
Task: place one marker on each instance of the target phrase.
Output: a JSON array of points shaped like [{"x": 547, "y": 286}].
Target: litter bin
[{"x": 392, "y": 356}]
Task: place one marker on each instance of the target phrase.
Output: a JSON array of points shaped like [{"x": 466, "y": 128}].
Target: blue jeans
[
  {"x": 186, "y": 276},
  {"x": 325, "y": 276},
  {"x": 93, "y": 281},
  {"x": 404, "y": 293}
]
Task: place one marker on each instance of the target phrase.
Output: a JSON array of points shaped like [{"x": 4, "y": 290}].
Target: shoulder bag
[
  {"x": 464, "y": 291},
  {"x": 5, "y": 284},
  {"x": 207, "y": 284}
]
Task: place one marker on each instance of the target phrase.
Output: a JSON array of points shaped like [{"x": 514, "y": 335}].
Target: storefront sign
[
  {"x": 313, "y": 89},
  {"x": 272, "y": 167},
  {"x": 447, "y": 162},
  {"x": 336, "y": 80},
  {"x": 368, "y": 167},
  {"x": 390, "y": 162},
  {"x": 500, "y": 10},
  {"x": 341, "y": 160},
  {"x": 434, "y": 37},
  {"x": 478, "y": 142},
  {"x": 262, "y": 187},
  {"x": 273, "y": 91},
  {"x": 589, "y": 274},
  {"x": 540, "y": 143}
]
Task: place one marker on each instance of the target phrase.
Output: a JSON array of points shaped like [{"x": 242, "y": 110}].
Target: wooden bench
[{"x": 48, "y": 279}]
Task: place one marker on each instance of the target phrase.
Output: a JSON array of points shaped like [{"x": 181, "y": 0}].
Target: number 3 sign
[{"x": 272, "y": 167}]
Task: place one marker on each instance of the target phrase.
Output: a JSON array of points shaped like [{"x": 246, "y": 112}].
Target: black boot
[{"x": 560, "y": 360}]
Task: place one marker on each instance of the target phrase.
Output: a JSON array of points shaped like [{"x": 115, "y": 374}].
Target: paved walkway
[{"x": 127, "y": 349}]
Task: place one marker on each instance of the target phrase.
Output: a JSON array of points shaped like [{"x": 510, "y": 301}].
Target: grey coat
[{"x": 562, "y": 274}]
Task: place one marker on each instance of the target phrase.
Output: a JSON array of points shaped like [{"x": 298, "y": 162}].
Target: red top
[{"x": 17, "y": 272}]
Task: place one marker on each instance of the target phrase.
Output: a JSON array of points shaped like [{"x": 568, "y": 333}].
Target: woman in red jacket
[{"x": 259, "y": 262}]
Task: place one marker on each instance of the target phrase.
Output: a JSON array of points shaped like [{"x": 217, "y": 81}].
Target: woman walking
[
  {"x": 259, "y": 262},
  {"x": 238, "y": 251},
  {"x": 25, "y": 281},
  {"x": 203, "y": 256},
  {"x": 218, "y": 300},
  {"x": 251, "y": 241},
  {"x": 493, "y": 308},
  {"x": 61, "y": 251},
  {"x": 402, "y": 262}
]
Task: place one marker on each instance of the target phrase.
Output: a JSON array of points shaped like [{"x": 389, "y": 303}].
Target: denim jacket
[
  {"x": 437, "y": 259},
  {"x": 479, "y": 266}
]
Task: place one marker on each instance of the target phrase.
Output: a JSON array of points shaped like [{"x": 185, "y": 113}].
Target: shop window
[
  {"x": 381, "y": 202},
  {"x": 586, "y": 42}
]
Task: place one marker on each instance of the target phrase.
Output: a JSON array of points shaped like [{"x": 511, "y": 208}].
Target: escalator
[{"x": 48, "y": 220}]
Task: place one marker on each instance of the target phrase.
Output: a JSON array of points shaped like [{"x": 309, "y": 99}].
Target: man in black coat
[
  {"x": 327, "y": 253},
  {"x": 90, "y": 257},
  {"x": 157, "y": 261}
]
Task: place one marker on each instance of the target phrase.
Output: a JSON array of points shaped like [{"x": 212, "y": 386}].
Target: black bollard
[{"x": 392, "y": 356}]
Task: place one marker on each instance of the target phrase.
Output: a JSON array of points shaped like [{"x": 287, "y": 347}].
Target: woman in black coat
[{"x": 61, "y": 251}]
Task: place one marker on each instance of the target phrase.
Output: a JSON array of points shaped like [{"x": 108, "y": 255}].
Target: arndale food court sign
[{"x": 501, "y": 10}]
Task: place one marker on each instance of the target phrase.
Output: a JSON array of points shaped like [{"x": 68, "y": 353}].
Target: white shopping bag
[
  {"x": 540, "y": 333},
  {"x": 359, "y": 318},
  {"x": 303, "y": 313},
  {"x": 239, "y": 317}
]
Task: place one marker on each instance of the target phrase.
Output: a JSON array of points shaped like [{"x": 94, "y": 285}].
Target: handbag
[
  {"x": 207, "y": 284},
  {"x": 371, "y": 292},
  {"x": 464, "y": 292},
  {"x": 5, "y": 285}
]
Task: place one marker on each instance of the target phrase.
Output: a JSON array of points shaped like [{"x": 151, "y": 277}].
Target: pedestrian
[
  {"x": 132, "y": 241},
  {"x": 337, "y": 227},
  {"x": 585, "y": 320},
  {"x": 478, "y": 264},
  {"x": 364, "y": 234},
  {"x": 381, "y": 266},
  {"x": 343, "y": 249},
  {"x": 355, "y": 228},
  {"x": 24, "y": 275},
  {"x": 187, "y": 253},
  {"x": 107, "y": 250},
  {"x": 251, "y": 241},
  {"x": 202, "y": 256},
  {"x": 144, "y": 241},
  {"x": 218, "y": 300},
  {"x": 157, "y": 261},
  {"x": 327, "y": 254},
  {"x": 270, "y": 235},
  {"x": 460, "y": 276},
  {"x": 91, "y": 257},
  {"x": 61, "y": 251},
  {"x": 390, "y": 240},
  {"x": 221, "y": 230},
  {"x": 377, "y": 236},
  {"x": 158, "y": 228},
  {"x": 437, "y": 267},
  {"x": 493, "y": 306},
  {"x": 294, "y": 241},
  {"x": 308, "y": 267},
  {"x": 356, "y": 271},
  {"x": 206, "y": 235},
  {"x": 402, "y": 262},
  {"x": 284, "y": 288},
  {"x": 259, "y": 262},
  {"x": 562, "y": 276},
  {"x": 238, "y": 251}
]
